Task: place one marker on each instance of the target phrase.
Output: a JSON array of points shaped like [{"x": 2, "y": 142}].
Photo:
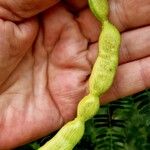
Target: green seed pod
[
  {"x": 88, "y": 107},
  {"x": 100, "y": 80},
  {"x": 67, "y": 137},
  {"x": 105, "y": 66},
  {"x": 100, "y": 9}
]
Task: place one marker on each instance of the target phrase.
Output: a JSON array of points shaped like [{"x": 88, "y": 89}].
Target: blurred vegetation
[{"x": 120, "y": 125}]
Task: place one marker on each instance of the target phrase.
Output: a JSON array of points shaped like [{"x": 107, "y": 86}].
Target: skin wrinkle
[
  {"x": 143, "y": 75},
  {"x": 50, "y": 93},
  {"x": 128, "y": 51},
  {"x": 135, "y": 6},
  {"x": 2, "y": 117},
  {"x": 115, "y": 91},
  {"x": 66, "y": 28},
  {"x": 9, "y": 106},
  {"x": 27, "y": 120},
  {"x": 46, "y": 74},
  {"x": 4, "y": 89},
  {"x": 49, "y": 89},
  {"x": 51, "y": 62},
  {"x": 26, "y": 9},
  {"x": 7, "y": 25},
  {"x": 64, "y": 22},
  {"x": 67, "y": 95},
  {"x": 62, "y": 119},
  {"x": 127, "y": 55},
  {"x": 8, "y": 14},
  {"x": 81, "y": 19},
  {"x": 81, "y": 30},
  {"x": 116, "y": 9},
  {"x": 90, "y": 63}
]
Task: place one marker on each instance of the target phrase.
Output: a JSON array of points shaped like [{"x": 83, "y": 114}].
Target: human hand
[{"x": 46, "y": 60}]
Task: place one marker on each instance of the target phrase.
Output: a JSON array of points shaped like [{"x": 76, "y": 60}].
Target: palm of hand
[
  {"x": 47, "y": 78},
  {"x": 49, "y": 60}
]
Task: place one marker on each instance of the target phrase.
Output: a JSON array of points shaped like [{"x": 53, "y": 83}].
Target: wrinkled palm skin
[{"x": 47, "y": 50}]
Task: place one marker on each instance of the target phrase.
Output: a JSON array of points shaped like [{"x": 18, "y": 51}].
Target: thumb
[{"x": 16, "y": 10}]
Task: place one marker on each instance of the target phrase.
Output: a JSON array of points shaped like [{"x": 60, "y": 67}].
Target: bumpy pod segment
[
  {"x": 100, "y": 9},
  {"x": 67, "y": 137},
  {"x": 88, "y": 107},
  {"x": 107, "y": 61},
  {"x": 100, "y": 81}
]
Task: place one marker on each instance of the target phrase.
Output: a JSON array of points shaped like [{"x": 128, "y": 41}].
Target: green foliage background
[{"x": 120, "y": 125}]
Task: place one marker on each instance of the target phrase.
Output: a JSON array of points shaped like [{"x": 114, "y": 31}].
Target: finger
[
  {"x": 18, "y": 9},
  {"x": 122, "y": 14},
  {"x": 135, "y": 45},
  {"x": 131, "y": 78}
]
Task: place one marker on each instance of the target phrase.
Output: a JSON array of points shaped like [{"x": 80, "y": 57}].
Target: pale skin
[{"x": 46, "y": 60}]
